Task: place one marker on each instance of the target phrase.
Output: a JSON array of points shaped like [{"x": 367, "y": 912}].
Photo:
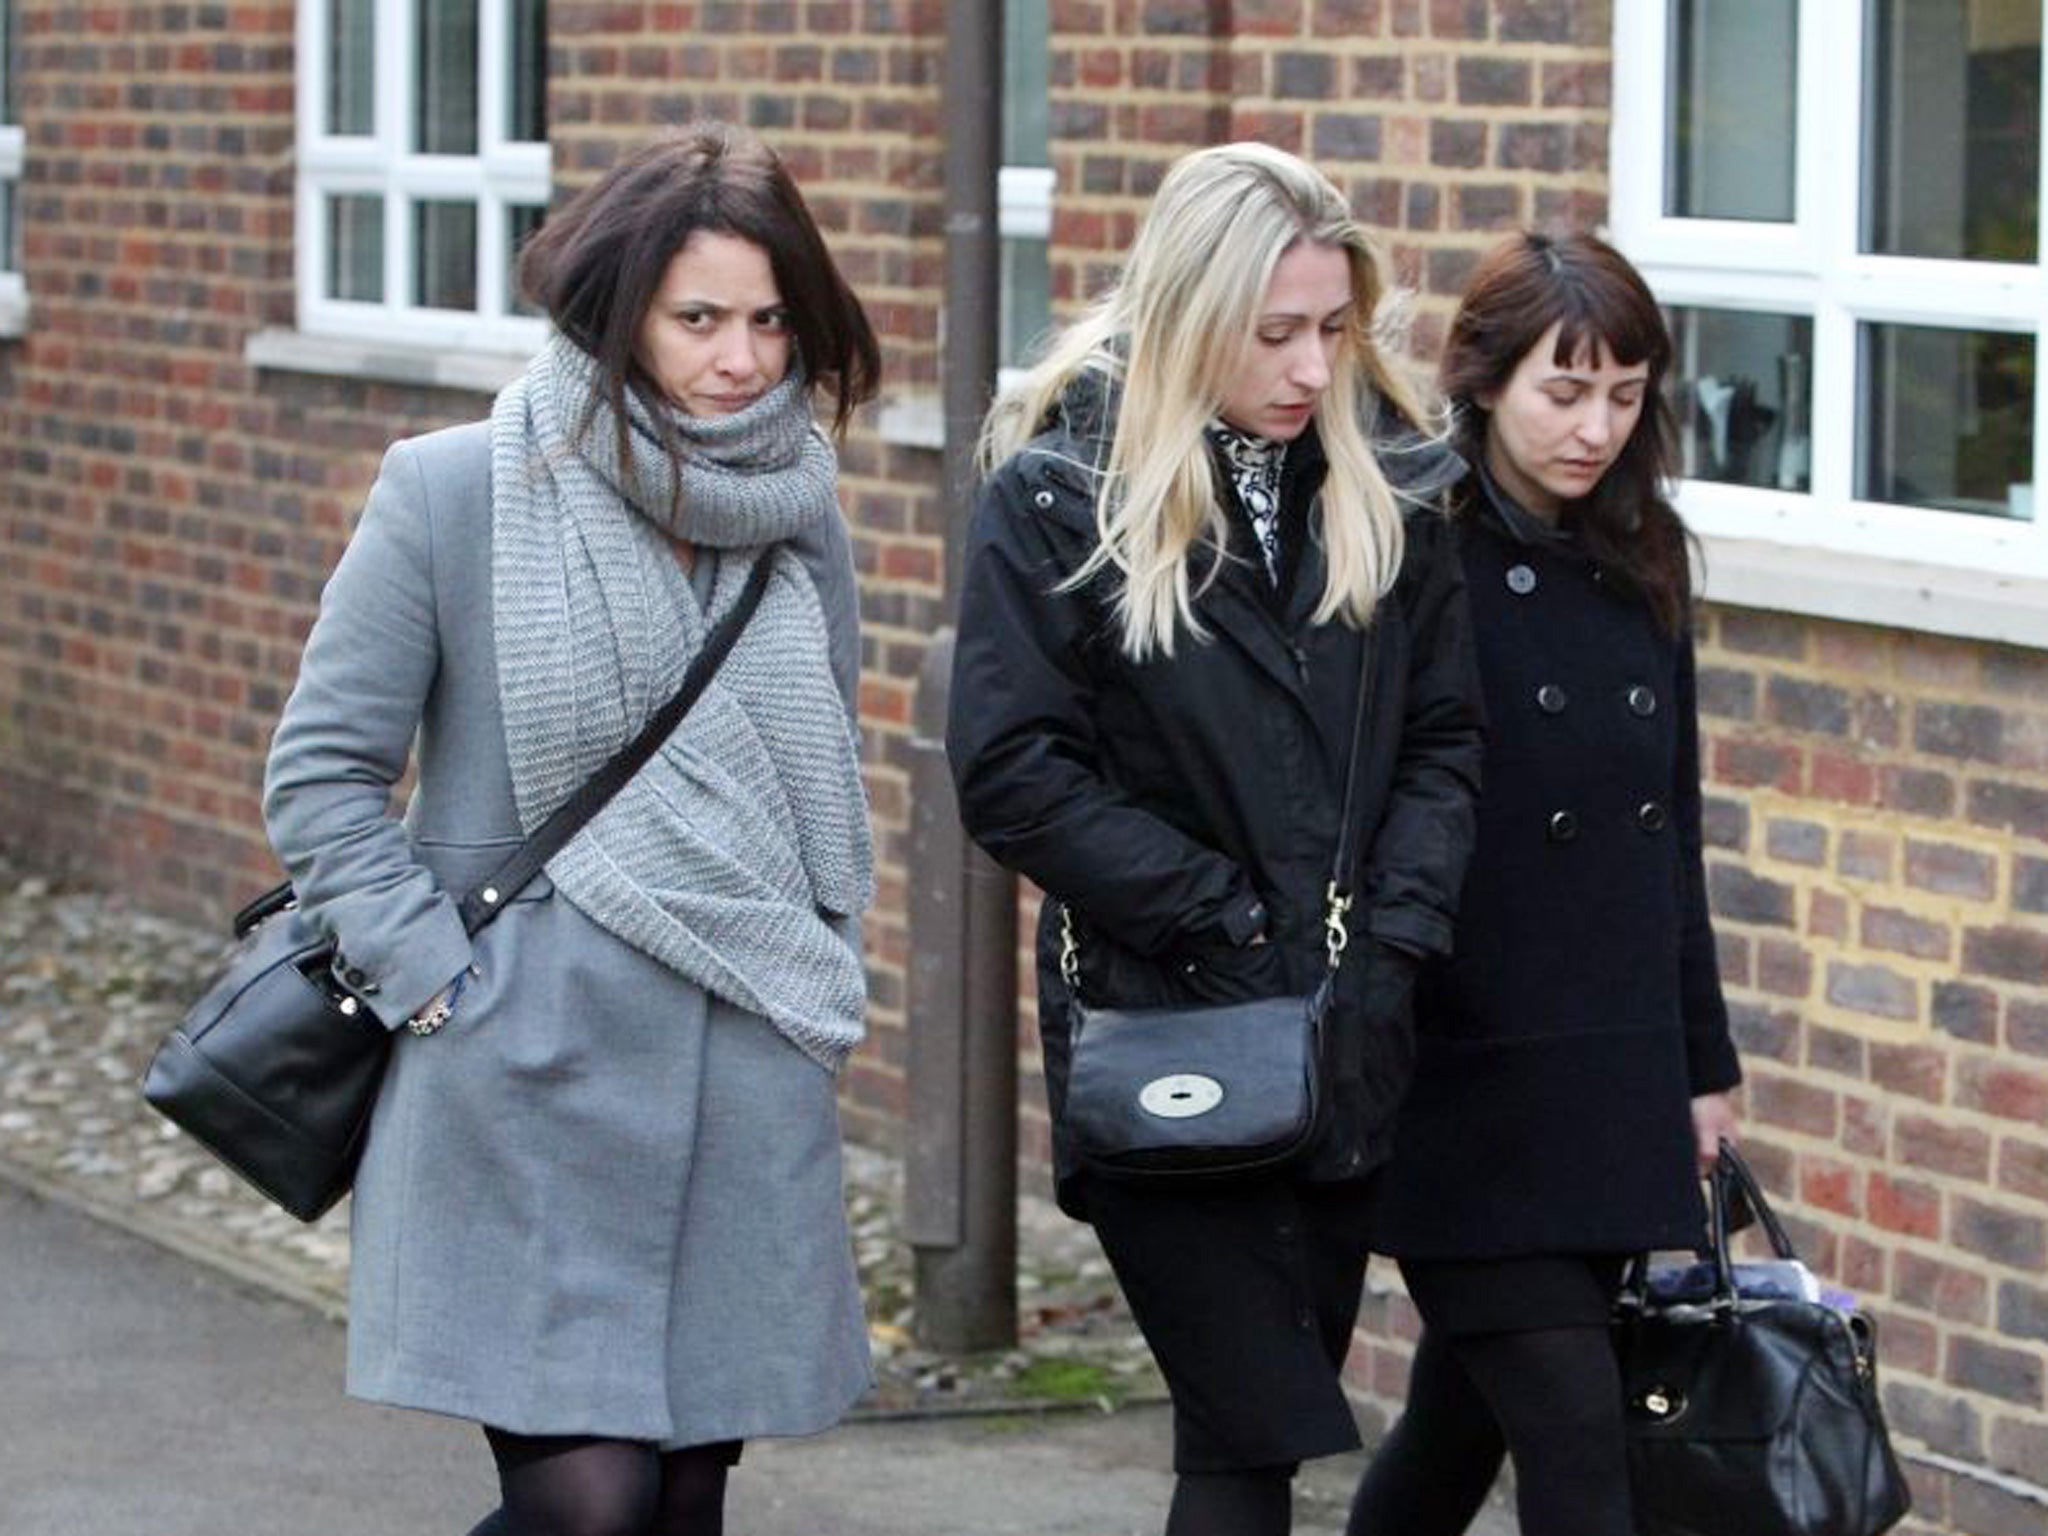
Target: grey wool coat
[{"x": 600, "y": 1201}]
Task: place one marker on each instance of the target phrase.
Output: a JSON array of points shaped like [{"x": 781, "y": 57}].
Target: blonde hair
[{"x": 1167, "y": 337}]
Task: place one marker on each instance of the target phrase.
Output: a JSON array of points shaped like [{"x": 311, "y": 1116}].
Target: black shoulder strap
[
  {"x": 567, "y": 819},
  {"x": 1347, "y": 826}
]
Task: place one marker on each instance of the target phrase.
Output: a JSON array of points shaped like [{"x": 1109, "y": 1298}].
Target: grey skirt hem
[{"x": 456, "y": 1401}]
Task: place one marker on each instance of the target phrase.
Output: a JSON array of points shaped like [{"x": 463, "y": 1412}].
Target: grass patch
[{"x": 1068, "y": 1381}]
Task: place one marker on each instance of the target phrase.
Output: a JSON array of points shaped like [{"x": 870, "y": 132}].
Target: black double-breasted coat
[
  {"x": 1561, "y": 1043},
  {"x": 1184, "y": 804}
]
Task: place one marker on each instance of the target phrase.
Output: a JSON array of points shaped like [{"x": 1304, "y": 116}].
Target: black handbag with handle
[
  {"x": 1210, "y": 1091},
  {"x": 275, "y": 1069},
  {"x": 1752, "y": 1415}
]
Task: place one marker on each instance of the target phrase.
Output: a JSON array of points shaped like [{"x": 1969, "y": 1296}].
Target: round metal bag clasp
[{"x": 1181, "y": 1096}]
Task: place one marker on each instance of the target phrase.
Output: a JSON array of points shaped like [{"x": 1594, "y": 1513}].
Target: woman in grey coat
[{"x": 599, "y": 1211}]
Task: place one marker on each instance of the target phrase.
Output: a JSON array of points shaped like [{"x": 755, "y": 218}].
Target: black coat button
[
  {"x": 1564, "y": 826},
  {"x": 1550, "y": 699},
  {"x": 1650, "y": 816},
  {"x": 1642, "y": 699},
  {"x": 1521, "y": 580}
]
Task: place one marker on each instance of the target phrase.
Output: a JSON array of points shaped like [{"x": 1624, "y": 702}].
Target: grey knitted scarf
[{"x": 739, "y": 857}]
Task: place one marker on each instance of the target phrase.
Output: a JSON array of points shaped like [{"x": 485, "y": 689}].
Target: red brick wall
[{"x": 1878, "y": 800}]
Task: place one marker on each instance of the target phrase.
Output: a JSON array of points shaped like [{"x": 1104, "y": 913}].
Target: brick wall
[
  {"x": 1878, "y": 821},
  {"x": 1878, "y": 800}
]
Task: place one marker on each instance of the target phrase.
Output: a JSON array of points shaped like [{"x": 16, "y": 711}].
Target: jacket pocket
[{"x": 459, "y": 868}]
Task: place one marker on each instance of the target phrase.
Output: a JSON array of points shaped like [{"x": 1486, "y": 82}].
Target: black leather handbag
[
  {"x": 1752, "y": 1415},
  {"x": 1209, "y": 1091},
  {"x": 275, "y": 1069}
]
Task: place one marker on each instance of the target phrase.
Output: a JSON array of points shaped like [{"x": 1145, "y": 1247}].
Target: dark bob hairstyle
[
  {"x": 1587, "y": 289},
  {"x": 597, "y": 263}
]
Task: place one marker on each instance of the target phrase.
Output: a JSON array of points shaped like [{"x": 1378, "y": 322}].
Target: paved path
[{"x": 141, "y": 1395}]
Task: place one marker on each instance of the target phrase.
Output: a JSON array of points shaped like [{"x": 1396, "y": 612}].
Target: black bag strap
[
  {"x": 479, "y": 906},
  {"x": 482, "y": 904},
  {"x": 1337, "y": 899},
  {"x": 1730, "y": 1187}
]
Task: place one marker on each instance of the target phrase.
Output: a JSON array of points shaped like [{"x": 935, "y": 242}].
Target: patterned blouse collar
[{"x": 1256, "y": 465}]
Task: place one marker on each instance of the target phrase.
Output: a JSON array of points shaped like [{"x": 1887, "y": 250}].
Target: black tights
[
  {"x": 569, "y": 1485},
  {"x": 1550, "y": 1397},
  {"x": 1254, "y": 1503}
]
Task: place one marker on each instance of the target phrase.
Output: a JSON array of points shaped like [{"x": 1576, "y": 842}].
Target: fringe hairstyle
[
  {"x": 1166, "y": 340},
  {"x": 1598, "y": 301}
]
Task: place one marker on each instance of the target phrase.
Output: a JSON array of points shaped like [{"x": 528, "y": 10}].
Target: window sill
[
  {"x": 13, "y": 314},
  {"x": 1970, "y": 602},
  {"x": 290, "y": 351}
]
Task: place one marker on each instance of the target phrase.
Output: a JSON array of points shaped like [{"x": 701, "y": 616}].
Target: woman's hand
[{"x": 1713, "y": 1117}]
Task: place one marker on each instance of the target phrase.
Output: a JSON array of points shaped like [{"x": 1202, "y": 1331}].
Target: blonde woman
[{"x": 1206, "y": 512}]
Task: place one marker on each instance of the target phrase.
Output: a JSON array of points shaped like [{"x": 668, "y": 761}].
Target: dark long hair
[
  {"x": 597, "y": 263},
  {"x": 1587, "y": 289}
]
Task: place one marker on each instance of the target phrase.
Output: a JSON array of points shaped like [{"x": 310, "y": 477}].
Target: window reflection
[
  {"x": 446, "y": 41},
  {"x": 520, "y": 223},
  {"x": 355, "y": 249},
  {"x": 1948, "y": 419},
  {"x": 1953, "y": 167},
  {"x": 527, "y": 99},
  {"x": 444, "y": 255},
  {"x": 351, "y": 73},
  {"x": 1734, "y": 94},
  {"x": 1740, "y": 386}
]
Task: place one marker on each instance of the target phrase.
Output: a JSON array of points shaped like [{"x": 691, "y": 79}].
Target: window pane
[
  {"x": 355, "y": 249},
  {"x": 445, "y": 90},
  {"x": 1733, "y": 95},
  {"x": 1027, "y": 299},
  {"x": 7, "y": 61},
  {"x": 520, "y": 222},
  {"x": 1027, "y": 129},
  {"x": 351, "y": 64},
  {"x": 1947, "y": 419},
  {"x": 10, "y": 258},
  {"x": 444, "y": 255},
  {"x": 1954, "y": 122},
  {"x": 527, "y": 98},
  {"x": 1740, "y": 386}
]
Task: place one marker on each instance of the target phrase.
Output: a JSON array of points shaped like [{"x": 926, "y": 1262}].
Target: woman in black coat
[
  {"x": 1193, "y": 538},
  {"x": 1573, "y": 1054}
]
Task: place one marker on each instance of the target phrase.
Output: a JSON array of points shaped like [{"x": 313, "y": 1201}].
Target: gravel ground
[{"x": 88, "y": 986}]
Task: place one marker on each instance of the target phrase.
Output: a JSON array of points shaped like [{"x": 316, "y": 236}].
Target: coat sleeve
[
  {"x": 1022, "y": 743},
  {"x": 1415, "y": 866},
  {"x": 1711, "y": 1065},
  {"x": 342, "y": 745}
]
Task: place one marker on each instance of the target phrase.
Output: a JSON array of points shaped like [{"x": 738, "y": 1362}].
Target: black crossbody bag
[
  {"x": 1210, "y": 1091},
  {"x": 275, "y": 1069}
]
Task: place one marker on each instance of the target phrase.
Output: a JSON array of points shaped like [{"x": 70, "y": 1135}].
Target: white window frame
[
  {"x": 503, "y": 174},
  {"x": 13, "y": 152},
  {"x": 1825, "y": 551}
]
